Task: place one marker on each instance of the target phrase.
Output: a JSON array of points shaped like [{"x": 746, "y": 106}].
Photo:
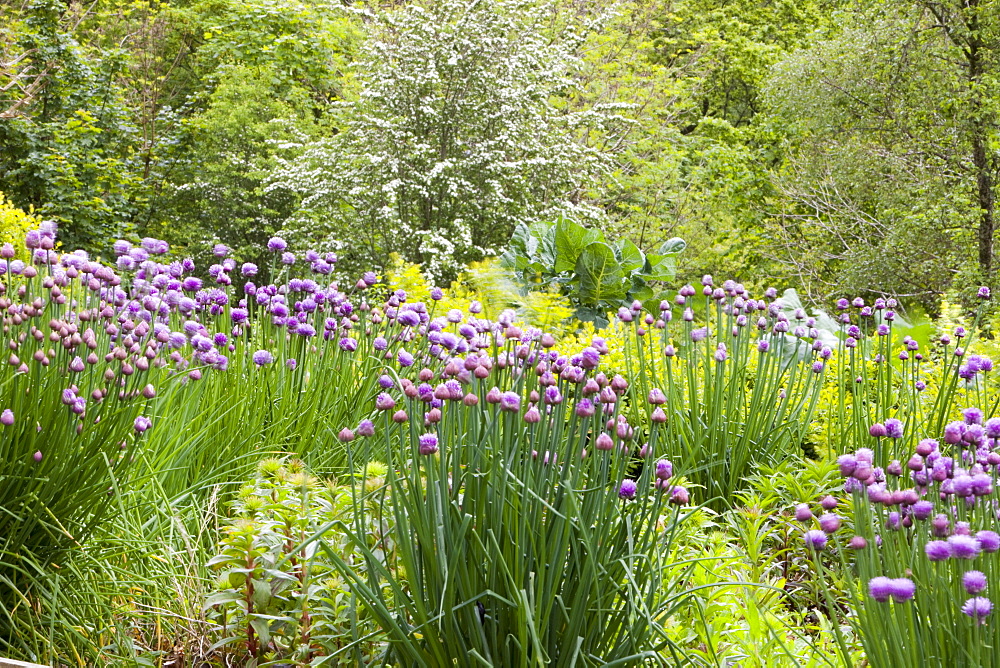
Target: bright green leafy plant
[{"x": 598, "y": 275}]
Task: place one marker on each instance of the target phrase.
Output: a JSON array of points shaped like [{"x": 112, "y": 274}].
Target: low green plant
[{"x": 280, "y": 599}]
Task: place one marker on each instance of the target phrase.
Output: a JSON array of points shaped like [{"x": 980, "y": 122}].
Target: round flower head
[
  {"x": 627, "y": 489},
  {"x": 902, "y": 589},
  {"x": 937, "y": 550},
  {"x": 510, "y": 402},
  {"x": 366, "y": 428},
  {"x": 974, "y": 581},
  {"x": 664, "y": 469},
  {"x": 277, "y": 244},
  {"x": 964, "y": 547},
  {"x": 922, "y": 509},
  {"x": 262, "y": 357},
  {"x": 857, "y": 543},
  {"x": 428, "y": 444},
  {"x": 893, "y": 428},
  {"x": 989, "y": 541},
  {"x": 7, "y": 417},
  {"x": 142, "y": 423},
  {"x": 829, "y": 522},
  {"x": 679, "y": 495},
  {"x": 880, "y": 588},
  {"x": 877, "y": 430},
  {"x": 802, "y": 512},
  {"x": 979, "y": 608},
  {"x": 815, "y": 539},
  {"x": 404, "y": 358}
]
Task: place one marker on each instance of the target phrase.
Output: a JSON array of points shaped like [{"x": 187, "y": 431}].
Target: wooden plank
[{"x": 11, "y": 663}]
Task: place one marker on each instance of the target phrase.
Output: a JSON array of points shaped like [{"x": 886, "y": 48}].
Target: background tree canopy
[{"x": 830, "y": 144}]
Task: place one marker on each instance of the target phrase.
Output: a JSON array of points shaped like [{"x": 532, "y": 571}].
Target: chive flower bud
[
  {"x": 7, "y": 417},
  {"x": 679, "y": 496},
  {"x": 802, "y": 512}
]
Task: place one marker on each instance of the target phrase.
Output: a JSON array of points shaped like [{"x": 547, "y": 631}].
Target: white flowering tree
[{"x": 459, "y": 133}]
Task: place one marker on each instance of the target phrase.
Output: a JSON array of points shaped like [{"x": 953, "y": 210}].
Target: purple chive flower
[
  {"x": 974, "y": 581},
  {"x": 437, "y": 294},
  {"x": 815, "y": 539},
  {"x": 679, "y": 495},
  {"x": 902, "y": 589},
  {"x": 142, "y": 423},
  {"x": 880, "y": 588},
  {"x": 878, "y": 430},
  {"x": 802, "y": 512},
  {"x": 428, "y": 444},
  {"x": 248, "y": 269},
  {"x": 989, "y": 541},
  {"x": 262, "y": 357},
  {"x": 922, "y": 509},
  {"x": 366, "y": 428},
  {"x": 857, "y": 543},
  {"x": 404, "y": 358},
  {"x": 893, "y": 428},
  {"x": 664, "y": 469},
  {"x": 277, "y": 244},
  {"x": 937, "y": 550},
  {"x": 964, "y": 547},
  {"x": 510, "y": 402},
  {"x": 288, "y": 258},
  {"x": 348, "y": 344},
  {"x": 7, "y": 417},
  {"x": 384, "y": 402},
  {"x": 627, "y": 489},
  {"x": 699, "y": 334},
  {"x": 984, "y": 292},
  {"x": 979, "y": 608},
  {"x": 829, "y": 522}
]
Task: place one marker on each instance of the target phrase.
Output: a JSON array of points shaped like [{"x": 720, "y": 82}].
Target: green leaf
[
  {"x": 221, "y": 598},
  {"x": 629, "y": 255},
  {"x": 517, "y": 255},
  {"x": 660, "y": 268},
  {"x": 673, "y": 246},
  {"x": 600, "y": 276},
  {"x": 570, "y": 240}
]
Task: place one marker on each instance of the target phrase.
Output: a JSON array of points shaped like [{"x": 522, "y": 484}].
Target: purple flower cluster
[{"x": 934, "y": 499}]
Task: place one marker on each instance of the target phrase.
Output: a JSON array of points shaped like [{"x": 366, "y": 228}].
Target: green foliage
[
  {"x": 70, "y": 157},
  {"x": 598, "y": 276}
]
